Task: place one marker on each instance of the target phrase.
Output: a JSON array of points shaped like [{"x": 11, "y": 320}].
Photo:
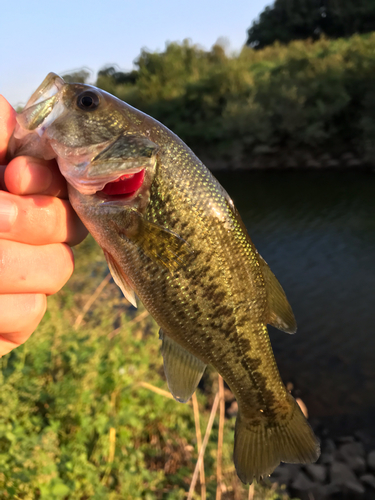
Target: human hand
[{"x": 37, "y": 223}]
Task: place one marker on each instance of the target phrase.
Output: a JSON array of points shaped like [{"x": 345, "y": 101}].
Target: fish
[{"x": 172, "y": 236}]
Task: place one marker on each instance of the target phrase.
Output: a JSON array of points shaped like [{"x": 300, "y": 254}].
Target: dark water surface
[{"x": 316, "y": 230}]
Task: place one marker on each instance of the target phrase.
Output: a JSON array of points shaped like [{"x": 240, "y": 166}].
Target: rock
[
  {"x": 311, "y": 163},
  {"x": 305, "y": 489},
  {"x": 302, "y": 485},
  {"x": 301, "y": 482},
  {"x": 324, "y": 491},
  {"x": 353, "y": 454},
  {"x": 364, "y": 438},
  {"x": 317, "y": 473},
  {"x": 355, "y": 162},
  {"x": 233, "y": 409},
  {"x": 368, "y": 480},
  {"x": 357, "y": 464},
  {"x": 333, "y": 163},
  {"x": 371, "y": 460},
  {"x": 343, "y": 477},
  {"x": 326, "y": 458},
  {"x": 347, "y": 157},
  {"x": 345, "y": 439},
  {"x": 281, "y": 475},
  {"x": 329, "y": 445},
  {"x": 291, "y": 163},
  {"x": 228, "y": 395}
]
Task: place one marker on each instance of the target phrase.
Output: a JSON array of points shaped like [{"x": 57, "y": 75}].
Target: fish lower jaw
[{"x": 124, "y": 187}]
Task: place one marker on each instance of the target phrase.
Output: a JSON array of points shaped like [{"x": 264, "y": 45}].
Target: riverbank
[{"x": 345, "y": 470}]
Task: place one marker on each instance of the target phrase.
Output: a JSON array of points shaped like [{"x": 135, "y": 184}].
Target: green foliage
[
  {"x": 79, "y": 76},
  {"x": 306, "y": 96},
  {"x": 288, "y": 20},
  {"x": 75, "y": 423}
]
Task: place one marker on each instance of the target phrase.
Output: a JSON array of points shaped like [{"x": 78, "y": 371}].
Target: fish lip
[
  {"x": 94, "y": 186},
  {"x": 118, "y": 199}
]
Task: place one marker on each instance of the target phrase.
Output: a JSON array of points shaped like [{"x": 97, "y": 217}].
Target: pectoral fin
[
  {"x": 280, "y": 313},
  {"x": 120, "y": 279},
  {"x": 182, "y": 369},
  {"x": 164, "y": 247}
]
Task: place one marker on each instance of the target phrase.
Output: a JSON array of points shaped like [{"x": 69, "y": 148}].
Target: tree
[
  {"x": 290, "y": 20},
  {"x": 78, "y": 76}
]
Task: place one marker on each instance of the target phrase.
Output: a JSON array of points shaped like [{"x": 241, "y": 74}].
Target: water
[{"x": 316, "y": 230}]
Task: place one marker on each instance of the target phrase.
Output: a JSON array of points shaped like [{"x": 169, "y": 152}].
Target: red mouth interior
[{"x": 126, "y": 184}]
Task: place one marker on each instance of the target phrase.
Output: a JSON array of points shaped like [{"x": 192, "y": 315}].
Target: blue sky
[{"x": 39, "y": 37}]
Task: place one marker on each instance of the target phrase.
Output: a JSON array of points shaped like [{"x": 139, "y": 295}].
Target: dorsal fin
[
  {"x": 280, "y": 313},
  {"x": 182, "y": 369},
  {"x": 120, "y": 279}
]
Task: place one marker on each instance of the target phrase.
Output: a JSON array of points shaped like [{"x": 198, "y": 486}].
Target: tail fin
[{"x": 258, "y": 449}]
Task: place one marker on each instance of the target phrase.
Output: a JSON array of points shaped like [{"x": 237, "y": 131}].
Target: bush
[
  {"x": 76, "y": 422},
  {"x": 311, "y": 96}
]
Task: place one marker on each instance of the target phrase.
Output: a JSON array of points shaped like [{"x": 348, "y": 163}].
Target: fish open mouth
[{"x": 127, "y": 184}]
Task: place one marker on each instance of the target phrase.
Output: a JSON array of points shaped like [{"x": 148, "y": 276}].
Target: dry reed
[
  {"x": 203, "y": 449},
  {"x": 199, "y": 445},
  {"x": 219, "y": 474}
]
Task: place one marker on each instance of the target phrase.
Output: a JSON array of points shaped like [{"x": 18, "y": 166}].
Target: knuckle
[
  {"x": 35, "y": 310},
  {"x": 53, "y": 222},
  {"x": 63, "y": 263},
  {"x": 4, "y": 259}
]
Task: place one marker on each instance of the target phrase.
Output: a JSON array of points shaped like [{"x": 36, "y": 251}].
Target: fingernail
[{"x": 8, "y": 214}]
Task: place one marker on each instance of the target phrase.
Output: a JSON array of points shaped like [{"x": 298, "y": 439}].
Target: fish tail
[{"x": 260, "y": 447}]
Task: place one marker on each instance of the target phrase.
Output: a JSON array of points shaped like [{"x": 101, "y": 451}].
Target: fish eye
[{"x": 88, "y": 100}]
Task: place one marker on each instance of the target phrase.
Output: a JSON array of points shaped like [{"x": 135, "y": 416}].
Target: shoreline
[{"x": 345, "y": 469}]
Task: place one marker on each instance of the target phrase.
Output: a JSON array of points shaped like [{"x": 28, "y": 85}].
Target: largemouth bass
[{"x": 171, "y": 234}]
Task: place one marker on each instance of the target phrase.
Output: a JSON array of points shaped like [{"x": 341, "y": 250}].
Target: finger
[
  {"x": 2, "y": 182},
  {"x": 7, "y": 124},
  {"x": 27, "y": 175},
  {"x": 20, "y": 315},
  {"x": 39, "y": 220},
  {"x": 34, "y": 269}
]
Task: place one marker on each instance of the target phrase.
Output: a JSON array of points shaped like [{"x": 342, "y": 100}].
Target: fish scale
[
  {"x": 180, "y": 244},
  {"x": 232, "y": 257}
]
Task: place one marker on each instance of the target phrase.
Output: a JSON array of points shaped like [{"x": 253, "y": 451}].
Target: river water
[{"x": 316, "y": 230}]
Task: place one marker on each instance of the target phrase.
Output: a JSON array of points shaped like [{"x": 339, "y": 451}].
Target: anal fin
[
  {"x": 280, "y": 313},
  {"x": 182, "y": 369},
  {"x": 120, "y": 279}
]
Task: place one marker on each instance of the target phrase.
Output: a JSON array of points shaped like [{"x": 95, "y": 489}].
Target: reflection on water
[{"x": 316, "y": 230}]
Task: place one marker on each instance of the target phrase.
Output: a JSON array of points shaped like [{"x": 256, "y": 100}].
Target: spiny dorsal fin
[
  {"x": 182, "y": 369},
  {"x": 120, "y": 279},
  {"x": 280, "y": 313}
]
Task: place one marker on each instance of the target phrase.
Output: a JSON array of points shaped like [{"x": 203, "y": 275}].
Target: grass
[{"x": 86, "y": 412}]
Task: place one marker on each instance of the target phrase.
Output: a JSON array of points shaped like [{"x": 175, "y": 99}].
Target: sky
[{"x": 66, "y": 35}]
